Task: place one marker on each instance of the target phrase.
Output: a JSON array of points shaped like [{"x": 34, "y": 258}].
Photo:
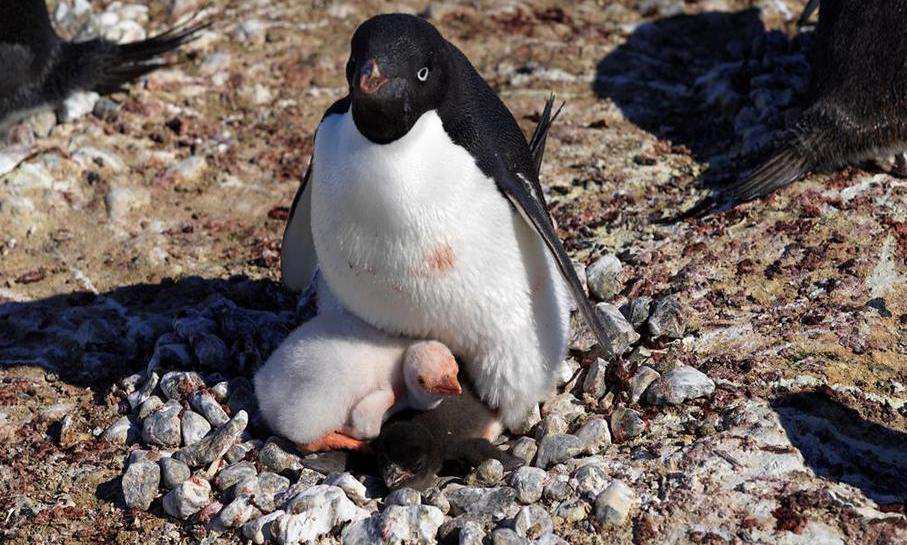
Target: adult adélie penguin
[{"x": 423, "y": 210}]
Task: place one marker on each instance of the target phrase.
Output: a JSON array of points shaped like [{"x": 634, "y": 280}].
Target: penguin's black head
[
  {"x": 397, "y": 71},
  {"x": 407, "y": 456}
]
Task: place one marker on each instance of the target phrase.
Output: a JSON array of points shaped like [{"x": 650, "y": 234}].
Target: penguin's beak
[
  {"x": 446, "y": 385},
  {"x": 370, "y": 78},
  {"x": 395, "y": 476}
]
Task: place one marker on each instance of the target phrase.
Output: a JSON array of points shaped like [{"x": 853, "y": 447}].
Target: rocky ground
[{"x": 140, "y": 233}]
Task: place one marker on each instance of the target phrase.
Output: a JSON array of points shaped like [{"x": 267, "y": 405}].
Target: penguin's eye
[{"x": 422, "y": 74}]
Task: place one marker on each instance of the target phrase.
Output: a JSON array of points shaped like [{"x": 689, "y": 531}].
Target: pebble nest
[{"x": 195, "y": 449}]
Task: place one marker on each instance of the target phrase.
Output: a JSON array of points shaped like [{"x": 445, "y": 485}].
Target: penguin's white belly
[{"x": 412, "y": 237}]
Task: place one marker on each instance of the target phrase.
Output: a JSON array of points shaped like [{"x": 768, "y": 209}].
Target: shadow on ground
[
  {"x": 717, "y": 83},
  {"x": 93, "y": 340},
  {"x": 840, "y": 445}
]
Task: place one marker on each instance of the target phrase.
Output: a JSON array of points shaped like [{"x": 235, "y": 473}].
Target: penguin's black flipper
[
  {"x": 780, "y": 169},
  {"x": 517, "y": 189},
  {"x": 540, "y": 134},
  {"x": 537, "y": 145},
  {"x": 807, "y": 13}
]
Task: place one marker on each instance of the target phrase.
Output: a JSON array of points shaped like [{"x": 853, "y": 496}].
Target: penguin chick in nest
[
  {"x": 414, "y": 447},
  {"x": 334, "y": 380}
]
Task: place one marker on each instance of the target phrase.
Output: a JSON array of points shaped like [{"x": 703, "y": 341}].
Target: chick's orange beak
[{"x": 445, "y": 385}]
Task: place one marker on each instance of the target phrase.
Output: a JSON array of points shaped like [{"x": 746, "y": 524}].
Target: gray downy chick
[{"x": 414, "y": 447}]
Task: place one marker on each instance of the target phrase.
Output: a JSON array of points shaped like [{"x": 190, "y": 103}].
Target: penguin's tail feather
[
  {"x": 540, "y": 134},
  {"x": 108, "y": 67},
  {"x": 780, "y": 169}
]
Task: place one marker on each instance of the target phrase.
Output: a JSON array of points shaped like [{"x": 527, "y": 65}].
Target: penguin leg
[
  {"x": 368, "y": 414},
  {"x": 333, "y": 441},
  {"x": 899, "y": 169}
]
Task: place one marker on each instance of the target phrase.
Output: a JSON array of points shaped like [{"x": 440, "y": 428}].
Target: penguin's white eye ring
[{"x": 422, "y": 74}]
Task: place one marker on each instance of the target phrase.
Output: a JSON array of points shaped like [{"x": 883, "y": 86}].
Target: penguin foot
[{"x": 333, "y": 441}]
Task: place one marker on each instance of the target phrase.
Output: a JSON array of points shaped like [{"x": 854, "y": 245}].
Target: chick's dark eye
[{"x": 422, "y": 74}]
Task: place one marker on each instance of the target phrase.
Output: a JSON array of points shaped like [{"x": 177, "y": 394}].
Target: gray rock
[
  {"x": 106, "y": 109},
  {"x": 239, "y": 451},
  {"x": 162, "y": 427},
  {"x": 221, "y": 390},
  {"x": 637, "y": 311},
  {"x": 594, "y": 435},
  {"x": 525, "y": 448},
  {"x": 396, "y": 524},
  {"x": 471, "y": 533},
  {"x": 558, "y": 487},
  {"x": 190, "y": 170},
  {"x": 490, "y": 471},
  {"x": 140, "y": 484},
  {"x": 603, "y": 277},
  {"x": 434, "y": 496},
  {"x": 507, "y": 536},
  {"x": 210, "y": 351},
  {"x": 678, "y": 385},
  {"x": 641, "y": 380},
  {"x": 235, "y": 473},
  {"x": 148, "y": 406},
  {"x": 173, "y": 472},
  {"x": 405, "y": 496},
  {"x": 550, "y": 539},
  {"x": 566, "y": 372},
  {"x": 573, "y": 510},
  {"x": 626, "y": 424},
  {"x": 595, "y": 384},
  {"x": 179, "y": 385},
  {"x": 612, "y": 507},
  {"x": 118, "y": 432},
  {"x": 274, "y": 457},
  {"x": 205, "y": 404},
  {"x": 564, "y": 405},
  {"x": 215, "y": 444},
  {"x": 351, "y": 486},
  {"x": 529, "y": 482},
  {"x": 315, "y": 512},
  {"x": 76, "y": 105},
  {"x": 137, "y": 397},
  {"x": 269, "y": 485},
  {"x": 550, "y": 425},
  {"x": 236, "y": 513},
  {"x": 188, "y": 498},
  {"x": 666, "y": 319},
  {"x": 532, "y": 522},
  {"x": 497, "y": 503},
  {"x": 557, "y": 448},
  {"x": 258, "y": 531},
  {"x": 194, "y": 427},
  {"x": 589, "y": 481},
  {"x": 620, "y": 333},
  {"x": 251, "y": 32}
]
